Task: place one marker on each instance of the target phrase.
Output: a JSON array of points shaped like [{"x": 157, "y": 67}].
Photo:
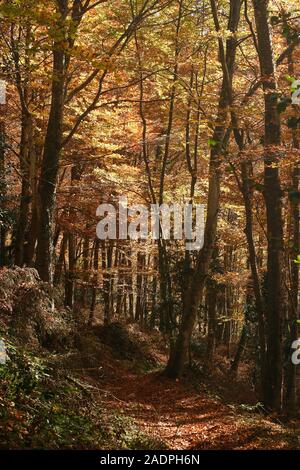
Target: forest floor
[
  {"x": 186, "y": 414},
  {"x": 66, "y": 385}
]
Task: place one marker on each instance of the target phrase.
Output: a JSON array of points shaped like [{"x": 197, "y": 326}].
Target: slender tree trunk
[
  {"x": 95, "y": 282},
  {"x": 240, "y": 351},
  {"x": 85, "y": 265},
  {"x": 194, "y": 293},
  {"x": 276, "y": 301},
  {"x": 292, "y": 329},
  {"x": 259, "y": 304},
  {"x": 29, "y": 249},
  {"x": 70, "y": 274},
  {"x": 211, "y": 295},
  {"x": 61, "y": 260},
  {"x": 3, "y": 258},
  {"x": 106, "y": 251},
  {"x": 25, "y": 157}
]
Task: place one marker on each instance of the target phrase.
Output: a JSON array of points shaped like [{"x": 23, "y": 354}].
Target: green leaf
[
  {"x": 289, "y": 79},
  {"x": 212, "y": 142},
  {"x": 295, "y": 86}
]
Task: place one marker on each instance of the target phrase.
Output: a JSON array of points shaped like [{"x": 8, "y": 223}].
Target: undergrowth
[{"x": 42, "y": 407}]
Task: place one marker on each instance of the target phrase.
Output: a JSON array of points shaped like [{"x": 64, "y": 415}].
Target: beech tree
[{"x": 195, "y": 290}]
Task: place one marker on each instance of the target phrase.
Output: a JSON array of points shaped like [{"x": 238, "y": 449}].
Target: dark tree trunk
[
  {"x": 95, "y": 282},
  {"x": 51, "y": 155},
  {"x": 25, "y": 156},
  {"x": 240, "y": 350},
  {"x": 139, "y": 287},
  {"x": 70, "y": 274},
  {"x": 106, "y": 255},
  {"x": 29, "y": 249},
  {"x": 292, "y": 329},
  {"x": 275, "y": 296},
  {"x": 61, "y": 260},
  {"x": 85, "y": 255},
  {"x": 3, "y": 257},
  {"x": 211, "y": 296},
  {"x": 247, "y": 192}
]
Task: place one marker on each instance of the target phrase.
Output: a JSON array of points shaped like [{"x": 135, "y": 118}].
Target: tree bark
[
  {"x": 51, "y": 155},
  {"x": 25, "y": 156},
  {"x": 275, "y": 296},
  {"x": 211, "y": 295},
  {"x": 70, "y": 274},
  {"x": 95, "y": 282},
  {"x": 292, "y": 328},
  {"x": 178, "y": 356},
  {"x": 61, "y": 260},
  {"x": 3, "y": 259}
]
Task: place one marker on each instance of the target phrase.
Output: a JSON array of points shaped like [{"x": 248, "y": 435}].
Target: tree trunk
[
  {"x": 275, "y": 296},
  {"x": 211, "y": 293},
  {"x": 25, "y": 156},
  {"x": 240, "y": 350},
  {"x": 51, "y": 155},
  {"x": 259, "y": 304},
  {"x": 61, "y": 260},
  {"x": 194, "y": 293},
  {"x": 292, "y": 329},
  {"x": 70, "y": 274},
  {"x": 85, "y": 265},
  {"x": 3, "y": 259},
  {"x": 95, "y": 282}
]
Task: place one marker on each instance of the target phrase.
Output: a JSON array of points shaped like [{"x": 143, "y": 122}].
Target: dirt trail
[
  {"x": 184, "y": 418},
  {"x": 175, "y": 412}
]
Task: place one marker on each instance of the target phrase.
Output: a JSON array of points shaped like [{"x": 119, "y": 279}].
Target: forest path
[{"x": 184, "y": 418}]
